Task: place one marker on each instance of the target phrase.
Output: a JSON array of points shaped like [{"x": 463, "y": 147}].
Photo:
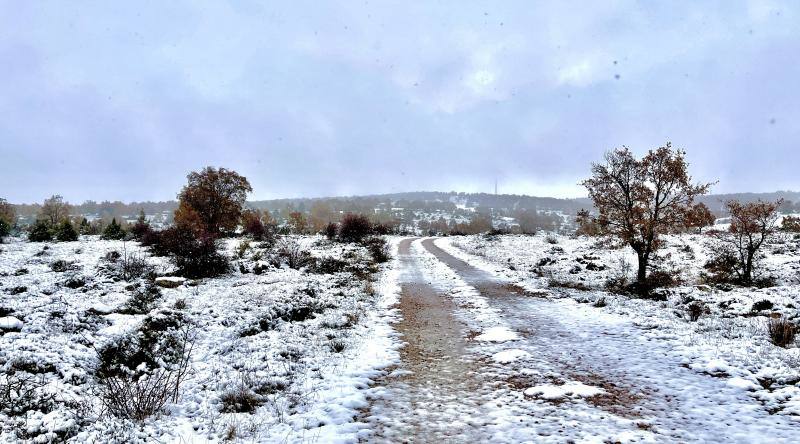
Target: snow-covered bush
[{"x": 140, "y": 372}]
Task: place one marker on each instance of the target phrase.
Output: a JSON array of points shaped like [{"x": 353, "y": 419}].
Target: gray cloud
[{"x": 120, "y": 101}]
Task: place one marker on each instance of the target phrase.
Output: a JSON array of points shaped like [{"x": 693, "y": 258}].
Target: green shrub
[
  {"x": 65, "y": 232},
  {"x": 113, "y": 231},
  {"x": 40, "y": 232}
]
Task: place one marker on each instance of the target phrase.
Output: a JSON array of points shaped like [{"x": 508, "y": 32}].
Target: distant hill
[{"x": 427, "y": 201}]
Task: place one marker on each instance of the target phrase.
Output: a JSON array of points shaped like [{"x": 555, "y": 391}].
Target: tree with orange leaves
[
  {"x": 211, "y": 202},
  {"x": 752, "y": 224},
  {"x": 639, "y": 200}
]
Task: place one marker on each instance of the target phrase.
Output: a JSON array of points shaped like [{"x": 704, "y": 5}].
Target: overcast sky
[{"x": 119, "y": 100}]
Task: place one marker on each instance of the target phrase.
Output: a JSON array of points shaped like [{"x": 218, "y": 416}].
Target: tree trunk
[
  {"x": 748, "y": 268},
  {"x": 641, "y": 276}
]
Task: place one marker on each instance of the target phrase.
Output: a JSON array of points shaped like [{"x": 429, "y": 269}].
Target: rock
[
  {"x": 170, "y": 281},
  {"x": 10, "y": 323}
]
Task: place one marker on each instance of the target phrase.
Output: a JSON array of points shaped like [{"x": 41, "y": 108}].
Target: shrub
[
  {"x": 40, "y": 232},
  {"x": 551, "y": 239},
  {"x": 133, "y": 266},
  {"x": 762, "y": 305},
  {"x": 329, "y": 265},
  {"x": 663, "y": 279},
  {"x": 791, "y": 224},
  {"x": 139, "y": 373},
  {"x": 195, "y": 257},
  {"x": 60, "y": 266},
  {"x": 600, "y": 302},
  {"x": 113, "y": 231},
  {"x": 354, "y": 228},
  {"x": 330, "y": 230},
  {"x": 695, "y": 310},
  {"x": 142, "y": 300},
  {"x": 5, "y": 229},
  {"x": 781, "y": 331},
  {"x": 141, "y": 227},
  {"x": 65, "y": 232},
  {"x": 293, "y": 255},
  {"x": 377, "y": 248},
  {"x": 241, "y": 250},
  {"x": 721, "y": 268},
  {"x": 21, "y": 393},
  {"x": 241, "y": 398},
  {"x": 200, "y": 258},
  {"x": 382, "y": 229}
]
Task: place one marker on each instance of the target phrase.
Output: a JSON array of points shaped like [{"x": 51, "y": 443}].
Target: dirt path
[
  {"x": 643, "y": 381},
  {"x": 432, "y": 393}
]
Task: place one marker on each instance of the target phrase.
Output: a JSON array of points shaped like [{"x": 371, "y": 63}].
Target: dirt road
[{"x": 455, "y": 388}]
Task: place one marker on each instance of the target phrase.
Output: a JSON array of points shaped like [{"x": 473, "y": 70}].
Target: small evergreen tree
[
  {"x": 85, "y": 227},
  {"x": 141, "y": 227},
  {"x": 40, "y": 232},
  {"x": 65, "y": 232},
  {"x": 113, "y": 231},
  {"x": 5, "y": 229}
]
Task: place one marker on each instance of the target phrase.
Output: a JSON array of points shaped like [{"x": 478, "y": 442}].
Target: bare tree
[
  {"x": 752, "y": 224},
  {"x": 639, "y": 200},
  {"x": 7, "y": 212},
  {"x": 54, "y": 210}
]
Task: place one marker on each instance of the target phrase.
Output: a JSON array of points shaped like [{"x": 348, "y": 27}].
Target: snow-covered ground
[
  {"x": 728, "y": 342},
  {"x": 305, "y": 345}
]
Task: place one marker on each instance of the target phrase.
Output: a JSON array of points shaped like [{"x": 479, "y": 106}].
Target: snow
[
  {"x": 728, "y": 344},
  {"x": 549, "y": 365},
  {"x": 10, "y": 323},
  {"x": 497, "y": 334},
  {"x": 570, "y": 388},
  {"x": 322, "y": 390},
  {"x": 508, "y": 356}
]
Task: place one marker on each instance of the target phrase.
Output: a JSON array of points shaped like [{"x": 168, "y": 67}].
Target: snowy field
[
  {"x": 728, "y": 342},
  {"x": 278, "y": 354}
]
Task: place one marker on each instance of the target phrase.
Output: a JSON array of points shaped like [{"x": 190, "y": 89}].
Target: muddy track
[{"x": 433, "y": 388}]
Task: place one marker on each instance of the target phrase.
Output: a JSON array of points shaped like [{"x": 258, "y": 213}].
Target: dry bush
[
  {"x": 378, "y": 249},
  {"x": 139, "y": 373},
  {"x": 292, "y": 253},
  {"x": 354, "y": 228},
  {"x": 137, "y": 397},
  {"x": 781, "y": 331},
  {"x": 243, "y": 396},
  {"x": 695, "y": 310},
  {"x": 21, "y": 392}
]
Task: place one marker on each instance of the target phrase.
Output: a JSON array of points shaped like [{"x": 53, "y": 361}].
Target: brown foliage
[
  {"x": 791, "y": 224},
  {"x": 212, "y": 200},
  {"x": 639, "y": 200},
  {"x": 752, "y": 224},
  {"x": 354, "y": 227},
  {"x": 697, "y": 217},
  {"x": 587, "y": 225}
]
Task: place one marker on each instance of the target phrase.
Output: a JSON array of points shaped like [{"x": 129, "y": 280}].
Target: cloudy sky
[{"x": 119, "y": 100}]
